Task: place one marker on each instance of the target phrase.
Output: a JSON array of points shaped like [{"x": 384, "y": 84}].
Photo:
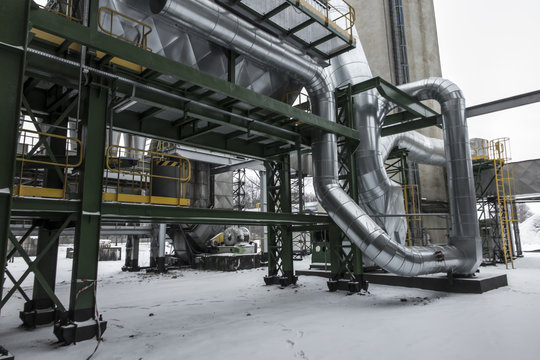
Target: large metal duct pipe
[
  {"x": 375, "y": 186},
  {"x": 422, "y": 149},
  {"x": 461, "y": 189},
  {"x": 211, "y": 21}
]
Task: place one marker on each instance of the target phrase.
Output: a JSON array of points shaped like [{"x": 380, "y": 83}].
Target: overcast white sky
[{"x": 491, "y": 49}]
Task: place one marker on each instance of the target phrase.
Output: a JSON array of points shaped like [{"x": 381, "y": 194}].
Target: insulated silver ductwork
[
  {"x": 461, "y": 189},
  {"x": 422, "y": 149},
  {"x": 209, "y": 20}
]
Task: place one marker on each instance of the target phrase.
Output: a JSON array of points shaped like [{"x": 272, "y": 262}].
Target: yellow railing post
[
  {"x": 23, "y": 159},
  {"x": 145, "y": 28},
  {"x": 144, "y": 173}
]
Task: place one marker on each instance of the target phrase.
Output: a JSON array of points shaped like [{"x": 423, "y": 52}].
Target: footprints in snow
[{"x": 290, "y": 343}]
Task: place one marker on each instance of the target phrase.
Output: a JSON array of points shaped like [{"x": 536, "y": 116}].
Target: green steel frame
[
  {"x": 195, "y": 96},
  {"x": 415, "y": 115},
  {"x": 86, "y": 88}
]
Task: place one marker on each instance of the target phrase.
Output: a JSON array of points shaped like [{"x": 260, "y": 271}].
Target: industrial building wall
[
  {"x": 374, "y": 28},
  {"x": 374, "y": 25}
]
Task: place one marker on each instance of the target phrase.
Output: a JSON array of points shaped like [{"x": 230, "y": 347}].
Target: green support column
[
  {"x": 357, "y": 263},
  {"x": 286, "y": 233},
  {"x": 82, "y": 302},
  {"x": 13, "y": 39},
  {"x": 336, "y": 247},
  {"x": 273, "y": 256},
  {"x": 280, "y": 247},
  {"x": 47, "y": 266},
  {"x": 41, "y": 309},
  {"x": 346, "y": 257}
]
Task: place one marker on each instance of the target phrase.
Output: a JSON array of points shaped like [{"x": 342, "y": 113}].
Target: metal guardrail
[
  {"x": 142, "y": 172},
  {"x": 36, "y": 141},
  {"x": 342, "y": 19},
  {"x": 143, "y": 29}
]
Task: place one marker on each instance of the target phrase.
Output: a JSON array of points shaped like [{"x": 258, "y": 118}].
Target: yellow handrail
[
  {"x": 182, "y": 161},
  {"x": 146, "y": 29},
  {"x": 66, "y": 165},
  {"x": 145, "y": 172},
  {"x": 41, "y": 191},
  {"x": 333, "y": 14}
]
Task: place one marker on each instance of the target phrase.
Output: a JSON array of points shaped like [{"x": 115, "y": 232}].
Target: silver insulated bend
[{"x": 210, "y": 21}]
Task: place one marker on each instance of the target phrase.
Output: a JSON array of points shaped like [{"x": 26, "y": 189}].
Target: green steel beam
[
  {"x": 321, "y": 19},
  {"x": 170, "y": 214},
  {"x": 398, "y": 118},
  {"x": 313, "y": 227},
  {"x": 159, "y": 101},
  {"x": 165, "y": 130},
  {"x": 409, "y": 125},
  {"x": 46, "y": 208},
  {"x": 57, "y": 25},
  {"x": 13, "y": 40},
  {"x": 34, "y": 207},
  {"x": 394, "y": 94},
  {"x": 195, "y": 111},
  {"x": 150, "y": 113},
  {"x": 275, "y": 11}
]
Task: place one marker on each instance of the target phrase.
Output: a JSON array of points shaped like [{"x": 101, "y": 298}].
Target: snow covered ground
[
  {"x": 211, "y": 315},
  {"x": 530, "y": 233}
]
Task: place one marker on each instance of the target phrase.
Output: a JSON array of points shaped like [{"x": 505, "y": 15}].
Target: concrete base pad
[
  {"x": 5, "y": 355},
  {"x": 473, "y": 285},
  {"x": 227, "y": 262}
]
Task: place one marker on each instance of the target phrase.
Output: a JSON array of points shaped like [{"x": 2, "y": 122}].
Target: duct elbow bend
[
  {"x": 461, "y": 189},
  {"x": 434, "y": 88}
]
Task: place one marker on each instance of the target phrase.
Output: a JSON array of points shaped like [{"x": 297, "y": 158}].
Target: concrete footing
[
  {"x": 5, "y": 355},
  {"x": 473, "y": 285},
  {"x": 76, "y": 331},
  {"x": 227, "y": 262}
]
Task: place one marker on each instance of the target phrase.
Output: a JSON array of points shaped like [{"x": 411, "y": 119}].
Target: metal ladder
[{"x": 503, "y": 187}]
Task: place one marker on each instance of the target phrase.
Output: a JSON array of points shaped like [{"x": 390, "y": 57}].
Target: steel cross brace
[
  {"x": 32, "y": 266},
  {"x": 11, "y": 254},
  {"x": 61, "y": 118}
]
